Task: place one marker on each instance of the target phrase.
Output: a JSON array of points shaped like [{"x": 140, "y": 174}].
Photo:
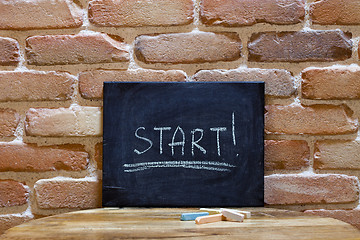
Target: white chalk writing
[
  {"x": 161, "y": 129},
  {"x": 195, "y": 143},
  {"x": 181, "y": 143},
  {"x": 142, "y": 138},
  {"x": 233, "y": 128},
  {"x": 218, "y": 130},
  {"x": 178, "y": 139},
  {"x": 199, "y": 165}
]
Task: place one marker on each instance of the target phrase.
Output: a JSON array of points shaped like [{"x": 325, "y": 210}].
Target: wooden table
[{"x": 164, "y": 223}]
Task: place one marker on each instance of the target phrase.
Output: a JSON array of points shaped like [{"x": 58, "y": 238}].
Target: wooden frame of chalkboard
[{"x": 183, "y": 144}]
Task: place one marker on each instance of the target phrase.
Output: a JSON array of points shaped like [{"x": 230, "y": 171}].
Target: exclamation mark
[{"x": 233, "y": 128}]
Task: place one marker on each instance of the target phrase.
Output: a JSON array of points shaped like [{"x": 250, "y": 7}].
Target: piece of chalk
[
  {"x": 210, "y": 210},
  {"x": 209, "y": 219},
  {"x": 232, "y": 215},
  {"x": 247, "y": 214},
  {"x": 192, "y": 216}
]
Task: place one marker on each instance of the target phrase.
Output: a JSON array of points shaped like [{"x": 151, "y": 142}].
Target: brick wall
[{"x": 55, "y": 55}]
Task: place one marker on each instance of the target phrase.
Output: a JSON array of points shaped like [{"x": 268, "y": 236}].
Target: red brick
[
  {"x": 91, "y": 83},
  {"x": 99, "y": 155},
  {"x": 32, "y": 158},
  {"x": 331, "y": 83},
  {"x": 314, "y": 120},
  {"x": 302, "y": 46},
  {"x": 337, "y": 154},
  {"x": 341, "y": 12},
  {"x": 193, "y": 47},
  {"x": 9, "y": 51},
  {"x": 235, "y": 13},
  {"x": 286, "y": 155},
  {"x": 75, "y": 193},
  {"x": 73, "y": 121},
  {"x": 9, "y": 120},
  {"x": 36, "y": 14},
  {"x": 279, "y": 83},
  {"x": 312, "y": 189},
  {"x": 350, "y": 216},
  {"x": 12, "y": 220},
  {"x": 35, "y": 86},
  {"x": 82, "y": 48},
  {"x": 139, "y": 13},
  {"x": 12, "y": 193}
]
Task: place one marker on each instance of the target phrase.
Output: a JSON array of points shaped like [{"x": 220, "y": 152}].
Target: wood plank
[{"x": 164, "y": 223}]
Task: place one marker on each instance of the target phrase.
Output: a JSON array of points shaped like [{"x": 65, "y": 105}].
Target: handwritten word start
[{"x": 197, "y": 135}]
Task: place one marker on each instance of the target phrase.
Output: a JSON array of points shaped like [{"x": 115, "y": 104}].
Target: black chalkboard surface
[{"x": 183, "y": 144}]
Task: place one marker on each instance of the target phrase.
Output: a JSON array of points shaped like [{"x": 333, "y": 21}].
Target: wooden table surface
[{"x": 164, "y": 223}]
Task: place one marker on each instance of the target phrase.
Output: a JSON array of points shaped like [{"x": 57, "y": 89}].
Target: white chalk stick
[
  {"x": 232, "y": 215},
  {"x": 209, "y": 219},
  {"x": 211, "y": 211},
  {"x": 247, "y": 214}
]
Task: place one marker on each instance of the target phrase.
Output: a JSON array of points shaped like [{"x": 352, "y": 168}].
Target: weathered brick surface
[
  {"x": 73, "y": 193},
  {"x": 315, "y": 119},
  {"x": 12, "y": 193},
  {"x": 12, "y": 220},
  {"x": 337, "y": 154},
  {"x": 99, "y": 155},
  {"x": 300, "y": 189},
  {"x": 9, "y": 51},
  {"x": 332, "y": 45},
  {"x": 331, "y": 83},
  {"x": 342, "y": 12},
  {"x": 286, "y": 155},
  {"x": 36, "y": 14},
  {"x": 36, "y": 30},
  {"x": 278, "y": 82},
  {"x": 91, "y": 83},
  {"x": 138, "y": 13},
  {"x": 35, "y": 86},
  {"x": 350, "y": 216},
  {"x": 243, "y": 12},
  {"x": 194, "y": 47},
  {"x": 9, "y": 119},
  {"x": 32, "y": 158},
  {"x": 75, "y": 49},
  {"x": 74, "y": 121}
]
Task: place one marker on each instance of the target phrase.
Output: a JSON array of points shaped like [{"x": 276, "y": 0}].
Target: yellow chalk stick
[
  {"x": 232, "y": 215},
  {"x": 209, "y": 219},
  {"x": 211, "y": 211}
]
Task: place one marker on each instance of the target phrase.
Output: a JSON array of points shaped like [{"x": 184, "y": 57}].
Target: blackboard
[{"x": 183, "y": 144}]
